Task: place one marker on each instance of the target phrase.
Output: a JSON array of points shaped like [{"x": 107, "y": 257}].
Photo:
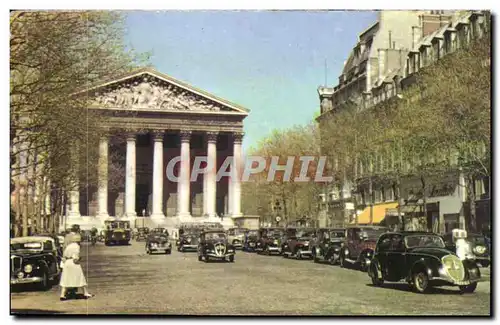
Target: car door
[
  {"x": 381, "y": 252},
  {"x": 354, "y": 243},
  {"x": 396, "y": 258}
]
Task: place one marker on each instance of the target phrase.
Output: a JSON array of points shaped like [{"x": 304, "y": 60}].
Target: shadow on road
[
  {"x": 24, "y": 312},
  {"x": 406, "y": 287}
]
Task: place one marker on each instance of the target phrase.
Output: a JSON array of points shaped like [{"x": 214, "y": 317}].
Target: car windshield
[
  {"x": 275, "y": 233},
  {"x": 336, "y": 235},
  {"x": 304, "y": 233},
  {"x": 372, "y": 234},
  {"x": 252, "y": 233},
  {"x": 215, "y": 235},
  {"x": 24, "y": 246},
  {"x": 424, "y": 241},
  {"x": 239, "y": 231},
  {"x": 477, "y": 240}
]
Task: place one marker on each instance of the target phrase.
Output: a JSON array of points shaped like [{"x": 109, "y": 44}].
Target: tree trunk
[
  {"x": 424, "y": 199},
  {"x": 471, "y": 193},
  {"x": 400, "y": 200},
  {"x": 24, "y": 204}
]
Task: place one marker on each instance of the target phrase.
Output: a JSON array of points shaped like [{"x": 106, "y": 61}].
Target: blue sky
[{"x": 268, "y": 61}]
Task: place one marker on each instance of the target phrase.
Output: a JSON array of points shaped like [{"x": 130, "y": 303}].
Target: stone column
[
  {"x": 236, "y": 176},
  {"x": 209, "y": 178},
  {"x": 158, "y": 175},
  {"x": 183, "y": 185},
  {"x": 102, "y": 193},
  {"x": 130, "y": 172}
]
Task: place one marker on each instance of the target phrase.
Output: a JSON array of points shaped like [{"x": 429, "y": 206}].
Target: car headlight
[
  {"x": 306, "y": 243},
  {"x": 28, "y": 268},
  {"x": 20, "y": 275},
  {"x": 229, "y": 250},
  {"x": 275, "y": 242},
  {"x": 189, "y": 240},
  {"x": 479, "y": 249}
]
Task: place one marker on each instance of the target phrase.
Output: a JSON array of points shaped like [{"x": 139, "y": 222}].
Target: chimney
[{"x": 415, "y": 36}]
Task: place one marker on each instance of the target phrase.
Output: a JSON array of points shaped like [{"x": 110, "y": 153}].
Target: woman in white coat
[{"x": 72, "y": 274}]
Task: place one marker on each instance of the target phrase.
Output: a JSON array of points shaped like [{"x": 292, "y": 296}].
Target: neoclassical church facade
[{"x": 162, "y": 118}]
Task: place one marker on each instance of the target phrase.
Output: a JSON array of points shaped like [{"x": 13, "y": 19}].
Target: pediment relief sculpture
[{"x": 154, "y": 94}]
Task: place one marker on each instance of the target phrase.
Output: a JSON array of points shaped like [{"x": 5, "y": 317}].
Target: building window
[
  {"x": 378, "y": 196},
  {"x": 479, "y": 188},
  {"x": 389, "y": 194}
]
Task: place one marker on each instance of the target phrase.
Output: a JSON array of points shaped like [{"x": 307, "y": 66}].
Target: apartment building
[{"x": 381, "y": 65}]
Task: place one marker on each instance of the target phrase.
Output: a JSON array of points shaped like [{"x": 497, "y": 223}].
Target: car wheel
[
  {"x": 333, "y": 259},
  {"x": 376, "y": 281},
  {"x": 485, "y": 263},
  {"x": 268, "y": 252},
  {"x": 314, "y": 257},
  {"x": 420, "y": 282},
  {"x": 342, "y": 261},
  {"x": 168, "y": 252},
  {"x": 363, "y": 263},
  {"x": 231, "y": 258},
  {"x": 298, "y": 254},
  {"x": 106, "y": 243},
  {"x": 200, "y": 258},
  {"x": 207, "y": 258},
  {"x": 468, "y": 288},
  {"x": 44, "y": 284}
]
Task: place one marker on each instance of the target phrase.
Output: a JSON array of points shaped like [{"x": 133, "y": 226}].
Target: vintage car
[
  {"x": 158, "y": 241},
  {"x": 160, "y": 230},
  {"x": 422, "y": 260},
  {"x": 250, "y": 240},
  {"x": 298, "y": 243},
  {"x": 142, "y": 234},
  {"x": 189, "y": 239},
  {"x": 117, "y": 232},
  {"x": 214, "y": 245},
  {"x": 269, "y": 241},
  {"x": 34, "y": 260},
  {"x": 359, "y": 245},
  {"x": 327, "y": 245},
  {"x": 478, "y": 247},
  {"x": 236, "y": 236}
]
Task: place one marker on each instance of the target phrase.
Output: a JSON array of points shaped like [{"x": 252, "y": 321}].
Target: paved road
[{"x": 126, "y": 280}]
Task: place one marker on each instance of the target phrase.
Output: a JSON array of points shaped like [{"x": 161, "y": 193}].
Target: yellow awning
[{"x": 379, "y": 213}]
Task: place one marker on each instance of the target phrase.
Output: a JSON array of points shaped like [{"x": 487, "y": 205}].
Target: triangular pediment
[{"x": 149, "y": 90}]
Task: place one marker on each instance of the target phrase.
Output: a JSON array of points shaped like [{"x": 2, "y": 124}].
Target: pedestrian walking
[{"x": 72, "y": 274}]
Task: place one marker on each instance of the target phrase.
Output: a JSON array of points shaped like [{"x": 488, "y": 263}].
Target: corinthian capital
[
  {"x": 212, "y": 136},
  {"x": 157, "y": 135},
  {"x": 185, "y": 135},
  {"x": 238, "y": 137}
]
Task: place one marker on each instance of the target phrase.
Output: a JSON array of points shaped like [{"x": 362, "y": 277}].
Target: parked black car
[
  {"x": 327, "y": 245},
  {"x": 214, "y": 245},
  {"x": 189, "y": 239},
  {"x": 158, "y": 242},
  {"x": 34, "y": 260},
  {"x": 142, "y": 234},
  {"x": 297, "y": 243},
  {"x": 359, "y": 245},
  {"x": 479, "y": 247},
  {"x": 422, "y": 260},
  {"x": 250, "y": 240},
  {"x": 270, "y": 240}
]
